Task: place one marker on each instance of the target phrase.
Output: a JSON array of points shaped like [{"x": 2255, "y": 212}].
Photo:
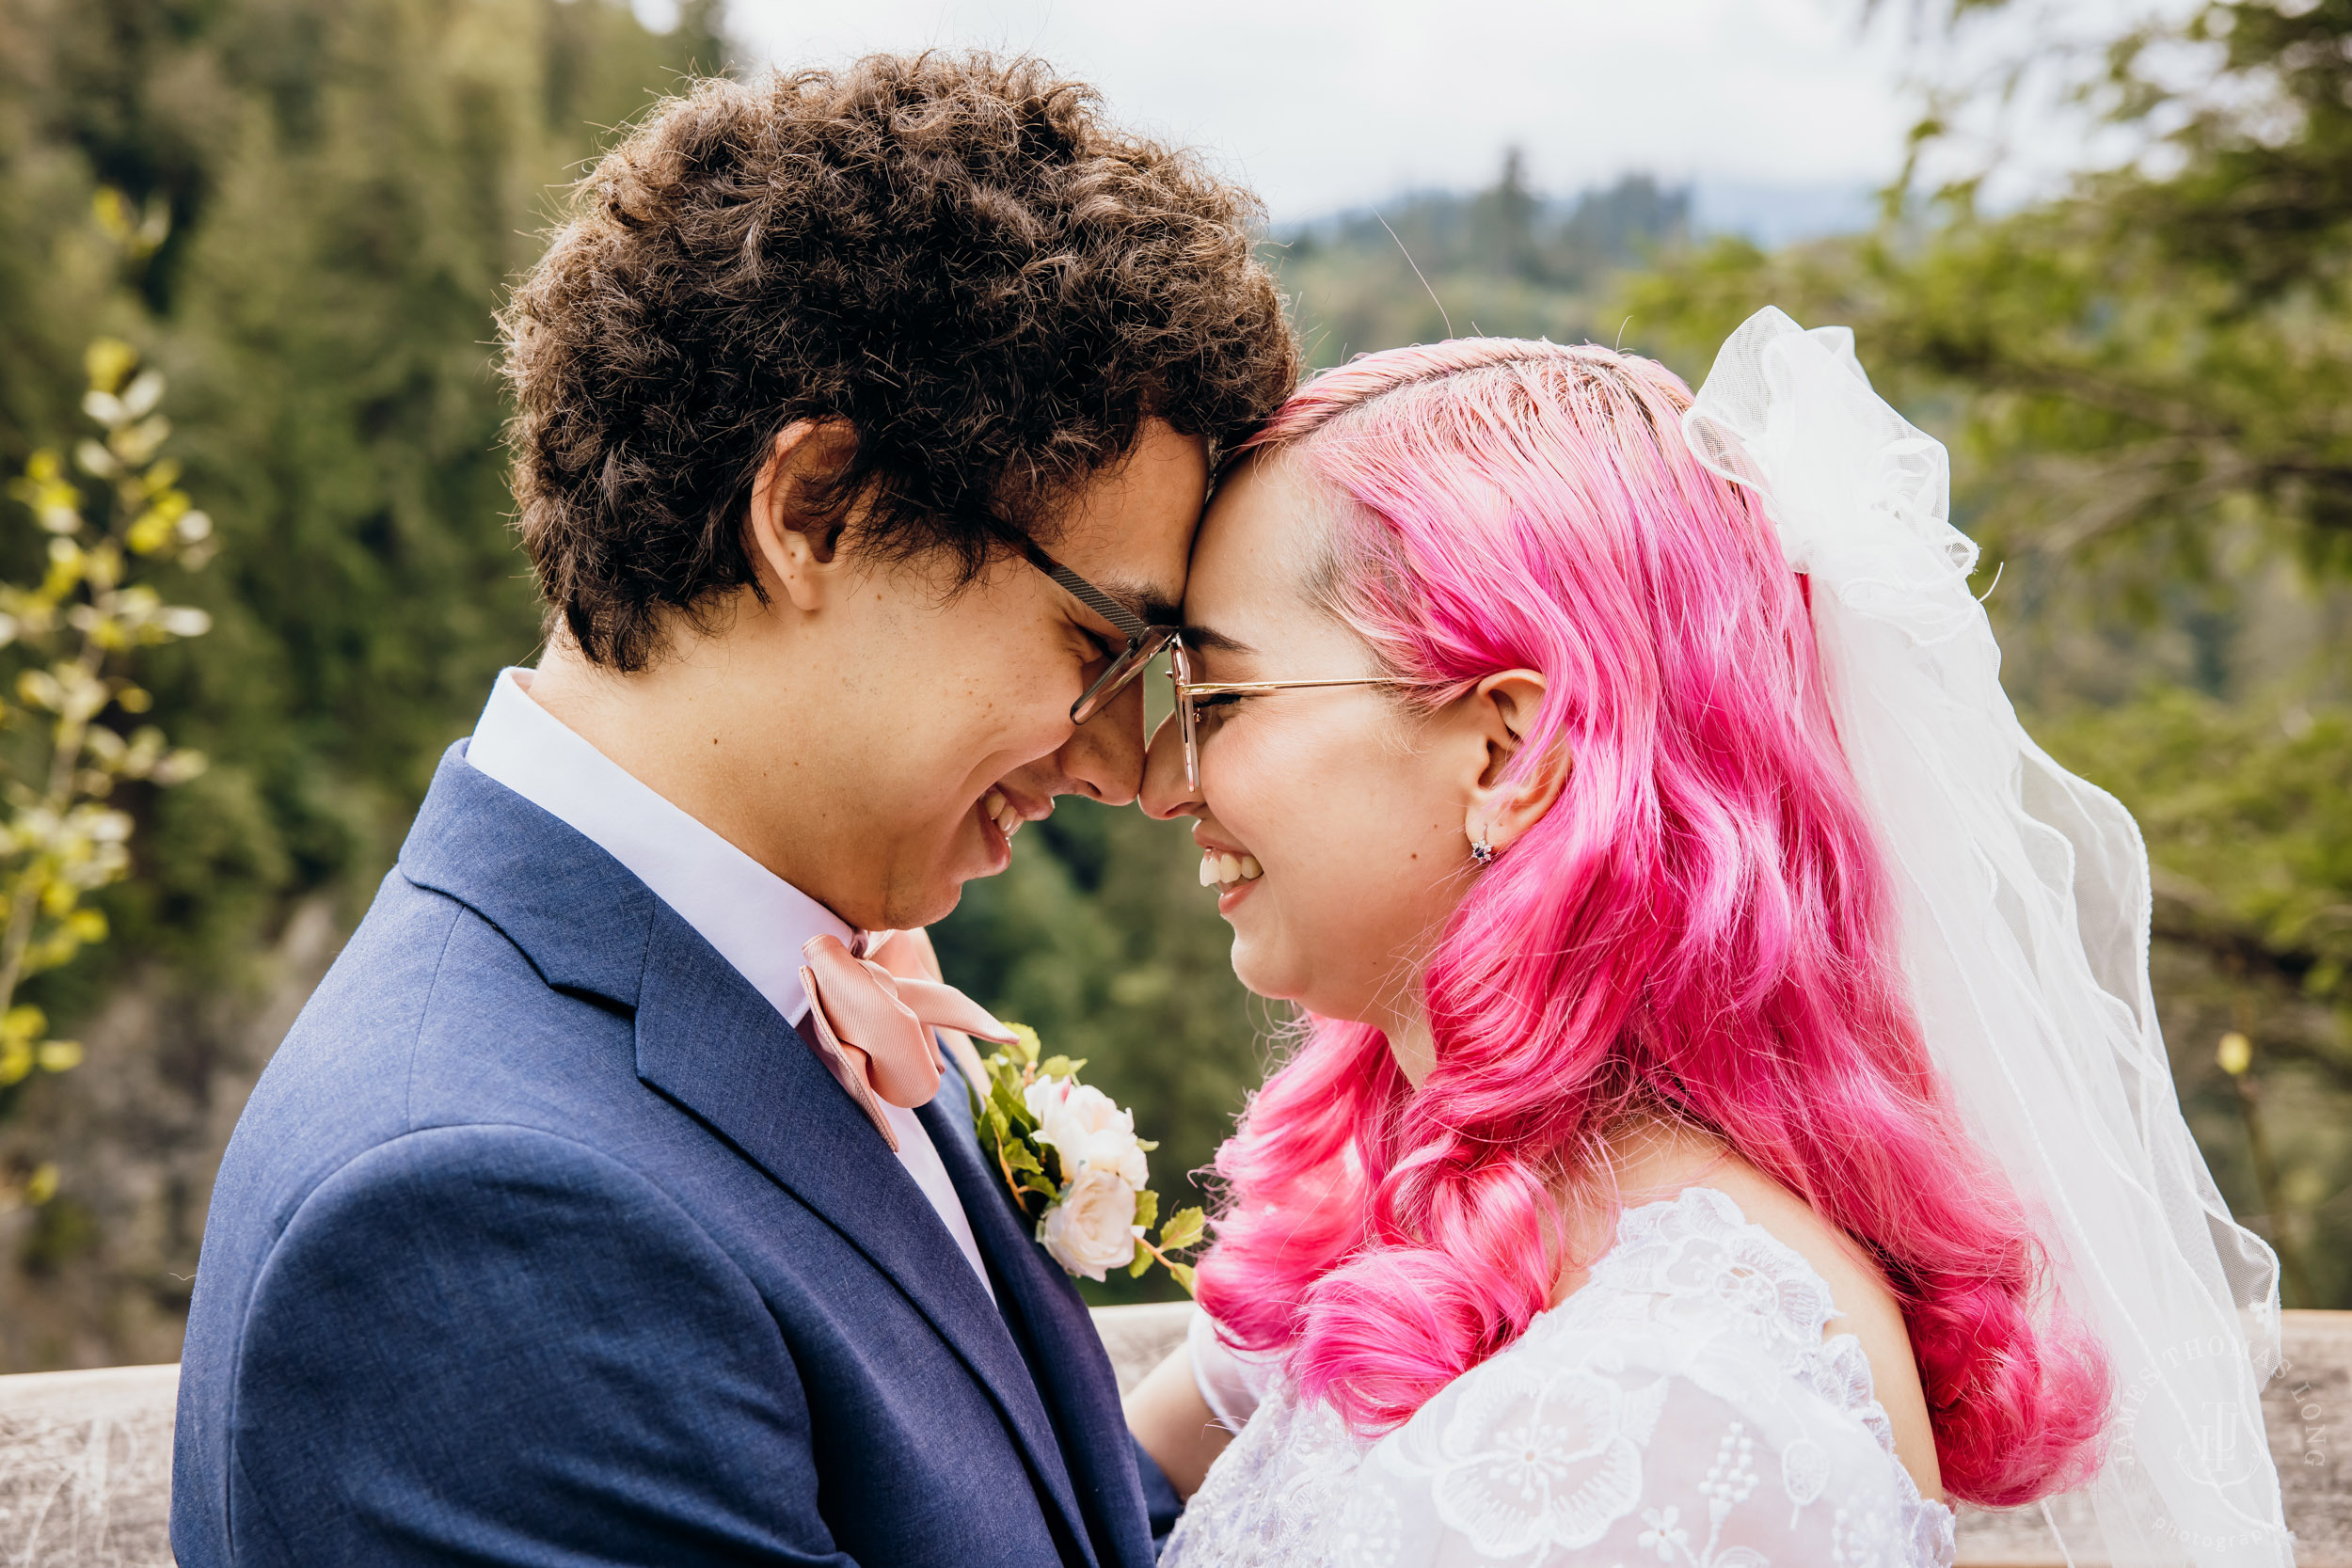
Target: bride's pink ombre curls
[{"x": 1703, "y": 918}]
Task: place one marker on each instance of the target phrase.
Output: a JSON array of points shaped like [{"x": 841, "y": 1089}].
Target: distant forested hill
[{"x": 1503, "y": 262}]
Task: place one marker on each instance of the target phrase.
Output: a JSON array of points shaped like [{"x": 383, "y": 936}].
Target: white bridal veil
[{"x": 2024, "y": 903}]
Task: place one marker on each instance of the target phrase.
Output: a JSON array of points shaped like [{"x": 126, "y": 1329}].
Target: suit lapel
[
  {"x": 1072, "y": 1369},
  {"x": 710, "y": 1041},
  {"x": 707, "y": 1041}
]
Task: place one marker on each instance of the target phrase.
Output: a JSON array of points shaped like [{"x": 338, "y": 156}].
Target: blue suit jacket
[{"x": 543, "y": 1240}]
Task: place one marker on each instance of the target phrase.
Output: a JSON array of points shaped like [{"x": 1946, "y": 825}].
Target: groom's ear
[{"x": 796, "y": 519}]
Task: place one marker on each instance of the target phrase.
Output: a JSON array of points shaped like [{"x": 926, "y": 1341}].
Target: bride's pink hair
[{"x": 1702, "y": 923}]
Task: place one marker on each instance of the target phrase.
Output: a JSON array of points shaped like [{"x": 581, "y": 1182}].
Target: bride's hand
[{"x": 1174, "y": 1423}]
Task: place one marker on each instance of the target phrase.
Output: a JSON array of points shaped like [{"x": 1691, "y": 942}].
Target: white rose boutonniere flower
[
  {"x": 1089, "y": 1132},
  {"x": 1093, "y": 1229},
  {"x": 1073, "y": 1160}
]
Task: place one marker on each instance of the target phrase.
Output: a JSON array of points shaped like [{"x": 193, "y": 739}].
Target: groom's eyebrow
[{"x": 1145, "y": 599}]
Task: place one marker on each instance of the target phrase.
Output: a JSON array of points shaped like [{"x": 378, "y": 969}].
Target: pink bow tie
[{"x": 871, "y": 1026}]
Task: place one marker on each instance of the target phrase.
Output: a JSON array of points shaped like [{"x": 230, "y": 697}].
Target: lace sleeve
[
  {"x": 1578, "y": 1456},
  {"x": 1232, "y": 1381}
]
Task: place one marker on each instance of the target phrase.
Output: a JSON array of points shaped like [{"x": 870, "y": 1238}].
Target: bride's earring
[{"x": 1481, "y": 851}]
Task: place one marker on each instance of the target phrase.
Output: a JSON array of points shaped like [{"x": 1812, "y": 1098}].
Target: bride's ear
[{"x": 1504, "y": 803}]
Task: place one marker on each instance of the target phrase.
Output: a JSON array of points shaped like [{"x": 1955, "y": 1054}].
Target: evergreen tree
[{"x": 1502, "y": 223}]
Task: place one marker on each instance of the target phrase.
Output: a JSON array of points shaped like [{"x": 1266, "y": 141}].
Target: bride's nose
[{"x": 1165, "y": 793}]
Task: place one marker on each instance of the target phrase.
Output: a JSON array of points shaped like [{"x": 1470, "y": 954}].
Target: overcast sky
[{"x": 1324, "y": 103}]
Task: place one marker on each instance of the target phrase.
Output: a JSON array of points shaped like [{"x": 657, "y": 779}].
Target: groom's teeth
[{"x": 1002, "y": 812}]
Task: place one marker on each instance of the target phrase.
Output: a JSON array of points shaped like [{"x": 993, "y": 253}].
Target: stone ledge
[
  {"x": 86, "y": 1457},
  {"x": 85, "y": 1467}
]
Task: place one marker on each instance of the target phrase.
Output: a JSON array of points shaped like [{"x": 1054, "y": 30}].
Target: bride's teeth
[{"x": 1220, "y": 869}]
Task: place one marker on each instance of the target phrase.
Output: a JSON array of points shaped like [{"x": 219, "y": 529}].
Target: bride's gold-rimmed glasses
[{"x": 1190, "y": 691}]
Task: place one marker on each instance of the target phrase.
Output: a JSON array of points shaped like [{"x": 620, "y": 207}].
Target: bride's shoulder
[
  {"x": 1658, "y": 1163},
  {"x": 1655, "y": 1161}
]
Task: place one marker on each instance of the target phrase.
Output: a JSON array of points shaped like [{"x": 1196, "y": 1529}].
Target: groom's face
[{"x": 949, "y": 708}]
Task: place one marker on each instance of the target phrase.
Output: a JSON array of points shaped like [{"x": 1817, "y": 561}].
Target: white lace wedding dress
[{"x": 1682, "y": 1408}]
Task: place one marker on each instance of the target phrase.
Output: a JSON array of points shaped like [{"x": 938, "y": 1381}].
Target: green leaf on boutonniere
[
  {"x": 1017, "y": 1155},
  {"x": 1007, "y": 1103},
  {"x": 1182, "y": 1229},
  {"x": 1060, "y": 1066}
]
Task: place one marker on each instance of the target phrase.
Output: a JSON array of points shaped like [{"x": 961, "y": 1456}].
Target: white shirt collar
[{"x": 755, "y": 918}]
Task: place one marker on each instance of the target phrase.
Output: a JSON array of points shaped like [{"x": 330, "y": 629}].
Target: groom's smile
[{"x": 1128, "y": 533}]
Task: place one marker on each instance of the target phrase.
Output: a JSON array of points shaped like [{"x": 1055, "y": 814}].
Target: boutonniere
[{"x": 1076, "y": 1167}]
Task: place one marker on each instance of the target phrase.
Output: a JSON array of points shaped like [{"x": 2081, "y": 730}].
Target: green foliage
[
  {"x": 2106, "y": 400},
  {"x": 2244, "y": 807},
  {"x": 81, "y": 622},
  {"x": 2154, "y": 362},
  {"x": 320, "y": 204}
]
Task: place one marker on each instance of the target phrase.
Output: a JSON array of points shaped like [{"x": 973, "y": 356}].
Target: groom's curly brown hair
[{"x": 955, "y": 253}]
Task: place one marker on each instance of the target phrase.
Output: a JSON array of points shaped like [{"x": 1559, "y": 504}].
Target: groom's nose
[{"x": 1104, "y": 758}]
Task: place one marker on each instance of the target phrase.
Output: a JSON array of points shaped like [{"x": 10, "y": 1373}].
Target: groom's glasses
[{"x": 1145, "y": 638}]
